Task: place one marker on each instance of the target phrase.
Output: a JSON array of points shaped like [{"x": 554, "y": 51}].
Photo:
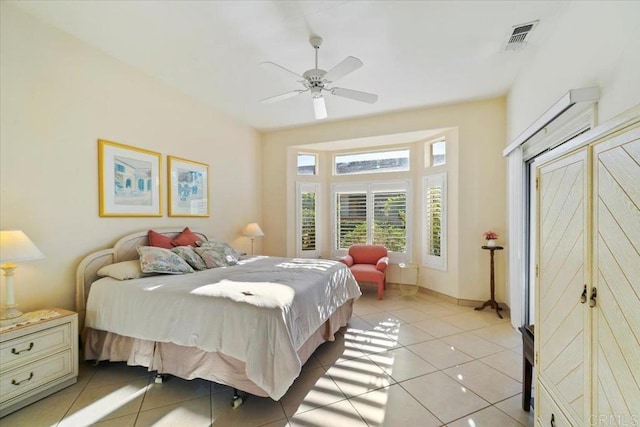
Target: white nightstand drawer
[
  {"x": 31, "y": 347},
  {"x": 33, "y": 375}
]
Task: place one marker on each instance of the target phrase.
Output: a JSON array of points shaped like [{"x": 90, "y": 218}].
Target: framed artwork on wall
[
  {"x": 129, "y": 180},
  {"x": 188, "y": 187}
]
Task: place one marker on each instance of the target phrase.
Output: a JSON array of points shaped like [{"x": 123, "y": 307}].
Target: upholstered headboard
[{"x": 123, "y": 250}]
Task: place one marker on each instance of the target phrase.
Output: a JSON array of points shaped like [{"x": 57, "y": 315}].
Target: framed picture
[
  {"x": 188, "y": 187},
  {"x": 129, "y": 180}
]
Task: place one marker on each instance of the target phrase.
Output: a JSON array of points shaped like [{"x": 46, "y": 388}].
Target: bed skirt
[{"x": 191, "y": 362}]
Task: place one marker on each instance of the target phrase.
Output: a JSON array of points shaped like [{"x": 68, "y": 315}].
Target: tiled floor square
[
  {"x": 338, "y": 414},
  {"x": 393, "y": 407},
  {"x": 105, "y": 402},
  {"x": 407, "y": 334},
  {"x": 507, "y": 362},
  {"x": 486, "y": 382},
  {"x": 487, "y": 417},
  {"x": 440, "y": 354},
  {"x": 402, "y": 364},
  {"x": 472, "y": 344},
  {"x": 195, "y": 412},
  {"x": 501, "y": 333},
  {"x": 358, "y": 376},
  {"x": 472, "y": 320},
  {"x": 443, "y": 396},
  {"x": 437, "y": 327},
  {"x": 314, "y": 388},
  {"x": 513, "y": 408}
]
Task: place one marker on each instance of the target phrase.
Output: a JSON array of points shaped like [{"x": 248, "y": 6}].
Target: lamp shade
[
  {"x": 15, "y": 246},
  {"x": 252, "y": 230}
]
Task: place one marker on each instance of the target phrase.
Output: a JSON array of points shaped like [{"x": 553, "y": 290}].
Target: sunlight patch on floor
[{"x": 104, "y": 406}]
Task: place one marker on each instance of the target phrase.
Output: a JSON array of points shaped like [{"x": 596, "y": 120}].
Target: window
[
  {"x": 307, "y": 219},
  {"x": 436, "y": 152},
  {"x": 307, "y": 164},
  {"x": 435, "y": 221},
  {"x": 373, "y": 162},
  {"x": 374, "y": 213}
]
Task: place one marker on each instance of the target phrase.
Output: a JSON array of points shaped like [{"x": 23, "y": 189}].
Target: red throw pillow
[
  {"x": 186, "y": 238},
  {"x": 158, "y": 240}
]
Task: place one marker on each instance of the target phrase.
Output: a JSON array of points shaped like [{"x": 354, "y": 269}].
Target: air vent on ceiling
[{"x": 517, "y": 39}]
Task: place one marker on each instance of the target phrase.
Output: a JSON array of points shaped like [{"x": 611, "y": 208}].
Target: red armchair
[{"x": 368, "y": 264}]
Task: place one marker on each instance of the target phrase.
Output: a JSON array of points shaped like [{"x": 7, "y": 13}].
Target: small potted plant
[{"x": 490, "y": 237}]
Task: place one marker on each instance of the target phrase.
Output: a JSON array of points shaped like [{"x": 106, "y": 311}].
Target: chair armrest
[
  {"x": 347, "y": 260},
  {"x": 382, "y": 264}
]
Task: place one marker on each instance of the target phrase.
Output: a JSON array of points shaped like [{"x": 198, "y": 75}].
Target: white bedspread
[{"x": 260, "y": 311}]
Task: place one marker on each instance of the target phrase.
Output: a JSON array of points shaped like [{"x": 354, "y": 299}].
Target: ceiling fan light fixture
[
  {"x": 317, "y": 80},
  {"x": 319, "y": 107}
]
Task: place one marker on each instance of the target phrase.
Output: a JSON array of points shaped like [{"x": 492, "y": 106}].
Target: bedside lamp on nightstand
[
  {"x": 252, "y": 231},
  {"x": 15, "y": 246}
]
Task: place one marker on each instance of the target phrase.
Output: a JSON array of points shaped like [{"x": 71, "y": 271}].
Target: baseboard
[{"x": 453, "y": 300}]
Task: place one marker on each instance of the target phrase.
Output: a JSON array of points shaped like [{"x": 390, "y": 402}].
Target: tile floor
[{"x": 402, "y": 361}]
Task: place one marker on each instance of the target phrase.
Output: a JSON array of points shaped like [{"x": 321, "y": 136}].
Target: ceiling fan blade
[
  {"x": 282, "y": 96},
  {"x": 349, "y": 64},
  {"x": 281, "y": 70},
  {"x": 319, "y": 108},
  {"x": 369, "y": 98}
]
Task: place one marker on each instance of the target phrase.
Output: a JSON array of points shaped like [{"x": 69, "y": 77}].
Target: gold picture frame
[
  {"x": 188, "y": 183},
  {"x": 129, "y": 180}
]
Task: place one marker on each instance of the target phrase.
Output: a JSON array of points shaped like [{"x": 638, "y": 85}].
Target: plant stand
[{"x": 492, "y": 302}]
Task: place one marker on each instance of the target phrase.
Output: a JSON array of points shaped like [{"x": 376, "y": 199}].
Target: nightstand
[{"x": 38, "y": 358}]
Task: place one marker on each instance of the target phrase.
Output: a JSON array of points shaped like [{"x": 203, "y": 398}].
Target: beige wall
[
  {"x": 593, "y": 43},
  {"x": 57, "y": 97},
  {"x": 481, "y": 199}
]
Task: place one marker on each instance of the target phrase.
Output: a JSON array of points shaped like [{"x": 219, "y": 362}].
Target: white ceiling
[{"x": 415, "y": 53}]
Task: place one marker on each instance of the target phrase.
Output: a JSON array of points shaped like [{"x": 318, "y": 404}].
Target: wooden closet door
[
  {"x": 616, "y": 317},
  {"x": 561, "y": 340}
]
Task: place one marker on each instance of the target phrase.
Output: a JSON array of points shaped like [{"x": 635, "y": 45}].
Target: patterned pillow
[
  {"x": 221, "y": 246},
  {"x": 160, "y": 260},
  {"x": 215, "y": 257},
  {"x": 188, "y": 254}
]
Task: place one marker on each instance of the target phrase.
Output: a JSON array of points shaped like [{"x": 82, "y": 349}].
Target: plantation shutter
[
  {"x": 435, "y": 221},
  {"x": 307, "y": 232},
  {"x": 308, "y": 221},
  {"x": 389, "y": 220},
  {"x": 351, "y": 219}
]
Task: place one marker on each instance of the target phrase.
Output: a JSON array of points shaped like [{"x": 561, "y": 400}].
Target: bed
[{"x": 250, "y": 326}]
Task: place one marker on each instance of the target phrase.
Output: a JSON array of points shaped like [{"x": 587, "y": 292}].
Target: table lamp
[
  {"x": 15, "y": 246},
  {"x": 252, "y": 231}
]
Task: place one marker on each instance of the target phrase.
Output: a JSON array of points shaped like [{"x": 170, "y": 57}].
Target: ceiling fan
[{"x": 315, "y": 81}]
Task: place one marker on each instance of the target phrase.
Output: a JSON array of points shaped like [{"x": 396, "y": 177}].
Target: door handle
[
  {"x": 583, "y": 297},
  {"x": 592, "y": 300}
]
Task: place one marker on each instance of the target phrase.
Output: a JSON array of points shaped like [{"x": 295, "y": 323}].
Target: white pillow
[{"x": 124, "y": 270}]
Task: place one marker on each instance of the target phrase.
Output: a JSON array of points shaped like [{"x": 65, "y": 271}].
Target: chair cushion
[
  {"x": 366, "y": 272},
  {"x": 367, "y": 254}
]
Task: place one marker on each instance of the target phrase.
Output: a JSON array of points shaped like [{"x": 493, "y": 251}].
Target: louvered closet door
[
  {"x": 561, "y": 339},
  {"x": 616, "y": 349}
]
